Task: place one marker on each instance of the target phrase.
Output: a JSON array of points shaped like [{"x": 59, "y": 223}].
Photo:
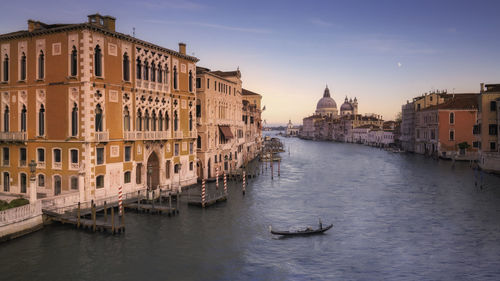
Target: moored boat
[{"x": 302, "y": 232}]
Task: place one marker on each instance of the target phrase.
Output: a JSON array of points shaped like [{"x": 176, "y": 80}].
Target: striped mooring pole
[
  {"x": 120, "y": 202},
  {"x": 216, "y": 177},
  {"x": 244, "y": 183},
  {"x": 203, "y": 193},
  {"x": 225, "y": 183}
]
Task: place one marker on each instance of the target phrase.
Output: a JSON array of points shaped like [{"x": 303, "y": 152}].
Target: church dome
[
  {"x": 346, "y": 106},
  {"x": 326, "y": 102}
]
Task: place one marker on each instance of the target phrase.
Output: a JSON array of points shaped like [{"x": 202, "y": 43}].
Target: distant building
[
  {"x": 291, "y": 131},
  {"x": 487, "y": 127}
]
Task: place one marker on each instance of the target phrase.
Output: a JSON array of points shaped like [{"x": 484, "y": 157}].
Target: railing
[
  {"x": 22, "y": 163},
  {"x": 58, "y": 201},
  {"x": 13, "y": 136},
  {"x": 129, "y": 135},
  {"x": 102, "y": 136},
  {"x": 192, "y": 134},
  {"x": 40, "y": 165},
  {"x": 178, "y": 135},
  {"x": 20, "y": 213},
  {"x": 57, "y": 165},
  {"x": 149, "y": 135},
  {"x": 74, "y": 166}
]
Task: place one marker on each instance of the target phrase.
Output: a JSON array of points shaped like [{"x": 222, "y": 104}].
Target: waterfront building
[
  {"x": 487, "y": 127},
  {"x": 95, "y": 109},
  {"x": 444, "y": 130},
  {"x": 252, "y": 129},
  {"x": 291, "y": 131},
  {"x": 219, "y": 121}
]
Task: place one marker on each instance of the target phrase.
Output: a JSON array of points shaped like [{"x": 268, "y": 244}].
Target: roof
[
  {"x": 236, "y": 73},
  {"x": 246, "y": 92},
  {"x": 204, "y": 70},
  {"x": 492, "y": 87},
  {"x": 55, "y": 28},
  {"x": 457, "y": 101}
]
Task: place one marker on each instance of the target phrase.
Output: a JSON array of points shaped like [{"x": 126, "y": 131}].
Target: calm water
[{"x": 395, "y": 216}]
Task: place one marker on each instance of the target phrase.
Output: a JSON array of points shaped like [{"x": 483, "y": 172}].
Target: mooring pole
[
  {"x": 113, "y": 220},
  {"x": 272, "y": 169},
  {"x": 244, "y": 177},
  {"x": 203, "y": 193},
  {"x": 138, "y": 200},
  {"x": 279, "y": 161},
  {"x": 216, "y": 177},
  {"x": 93, "y": 218},
  {"x": 177, "y": 202},
  {"x": 225, "y": 183},
  {"x": 105, "y": 212},
  {"x": 78, "y": 216}
]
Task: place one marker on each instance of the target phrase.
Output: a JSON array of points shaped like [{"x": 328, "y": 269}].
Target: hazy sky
[{"x": 382, "y": 52}]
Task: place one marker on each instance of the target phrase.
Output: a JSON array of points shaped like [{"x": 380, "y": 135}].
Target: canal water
[{"x": 395, "y": 217}]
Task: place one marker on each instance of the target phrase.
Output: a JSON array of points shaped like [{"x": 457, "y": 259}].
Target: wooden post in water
[
  {"x": 138, "y": 200},
  {"x": 216, "y": 177},
  {"x": 169, "y": 203},
  {"x": 225, "y": 183},
  {"x": 105, "y": 212},
  {"x": 244, "y": 177},
  {"x": 153, "y": 200},
  {"x": 113, "y": 220},
  {"x": 93, "y": 218},
  {"x": 272, "y": 169},
  {"x": 177, "y": 202},
  {"x": 203, "y": 193},
  {"x": 78, "y": 216},
  {"x": 159, "y": 190},
  {"x": 279, "y": 161}
]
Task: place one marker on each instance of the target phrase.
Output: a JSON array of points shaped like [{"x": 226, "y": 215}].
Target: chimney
[
  {"x": 31, "y": 25},
  {"x": 109, "y": 23},
  {"x": 481, "y": 89},
  {"x": 182, "y": 48}
]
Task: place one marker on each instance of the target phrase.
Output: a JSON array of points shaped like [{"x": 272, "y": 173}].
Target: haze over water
[{"x": 395, "y": 216}]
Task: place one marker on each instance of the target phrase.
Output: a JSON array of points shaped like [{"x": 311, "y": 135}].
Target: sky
[{"x": 382, "y": 52}]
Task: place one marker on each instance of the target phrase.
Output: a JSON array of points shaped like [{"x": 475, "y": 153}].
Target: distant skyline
[{"x": 382, "y": 52}]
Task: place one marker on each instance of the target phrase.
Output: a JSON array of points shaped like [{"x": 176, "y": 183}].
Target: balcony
[
  {"x": 192, "y": 135},
  {"x": 57, "y": 165},
  {"x": 178, "y": 135},
  {"x": 129, "y": 135},
  {"x": 102, "y": 136},
  {"x": 13, "y": 136},
  {"x": 149, "y": 135},
  {"x": 74, "y": 166}
]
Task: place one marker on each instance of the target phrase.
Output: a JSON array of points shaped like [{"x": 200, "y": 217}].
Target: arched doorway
[{"x": 153, "y": 171}]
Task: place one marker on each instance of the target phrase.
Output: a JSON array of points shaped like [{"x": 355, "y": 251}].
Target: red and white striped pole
[
  {"x": 244, "y": 183},
  {"x": 120, "y": 203},
  {"x": 216, "y": 177},
  {"x": 225, "y": 183},
  {"x": 203, "y": 193}
]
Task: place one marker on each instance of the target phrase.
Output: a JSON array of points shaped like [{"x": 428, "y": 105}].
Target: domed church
[
  {"x": 326, "y": 105},
  {"x": 349, "y": 107}
]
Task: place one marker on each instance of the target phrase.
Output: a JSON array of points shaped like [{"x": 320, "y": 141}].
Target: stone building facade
[{"x": 487, "y": 127}]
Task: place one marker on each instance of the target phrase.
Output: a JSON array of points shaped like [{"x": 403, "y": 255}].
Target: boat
[{"x": 302, "y": 232}]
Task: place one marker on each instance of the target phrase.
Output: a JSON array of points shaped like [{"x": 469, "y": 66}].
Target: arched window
[
  {"x": 6, "y": 181},
  {"x": 153, "y": 121},
  {"x": 24, "y": 181},
  {"x": 6, "y": 118},
  {"x": 126, "y": 119},
  {"x": 74, "y": 120},
  {"x": 97, "y": 61},
  {"x": 23, "y": 66},
  {"x": 6, "y": 68},
  {"x": 166, "y": 73},
  {"x": 175, "y": 77},
  {"x": 74, "y": 183},
  {"x": 146, "y": 70},
  {"x": 138, "y": 68},
  {"x": 146, "y": 120},
  {"x": 98, "y": 118},
  {"x": 190, "y": 121},
  {"x": 41, "y": 180},
  {"x": 138, "y": 123},
  {"x": 74, "y": 61},
  {"x": 190, "y": 81},
  {"x": 126, "y": 67},
  {"x": 23, "y": 119},
  {"x": 198, "y": 142},
  {"x": 153, "y": 72},
  {"x": 167, "y": 121},
  {"x": 160, "y": 121},
  {"x": 57, "y": 185},
  {"x": 452, "y": 118},
  {"x": 176, "y": 121},
  {"x": 160, "y": 74},
  {"x": 41, "y": 121},
  {"x": 41, "y": 65},
  {"x": 127, "y": 177}
]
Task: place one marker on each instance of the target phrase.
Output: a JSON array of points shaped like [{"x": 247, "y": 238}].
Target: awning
[{"x": 226, "y": 131}]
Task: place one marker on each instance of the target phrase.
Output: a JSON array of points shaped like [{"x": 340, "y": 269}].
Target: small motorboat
[{"x": 301, "y": 232}]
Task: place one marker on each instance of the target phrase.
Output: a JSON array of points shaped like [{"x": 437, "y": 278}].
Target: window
[
  {"x": 146, "y": 70},
  {"x": 452, "y": 118},
  {"x": 138, "y": 123},
  {"x": 175, "y": 77},
  {"x": 100, "y": 155},
  {"x": 41, "y": 180},
  {"x": 97, "y": 61},
  {"x": 198, "y": 108},
  {"x": 99, "y": 181},
  {"x": 215, "y": 159},
  {"x": 74, "y": 183},
  {"x": 74, "y": 156},
  {"x": 23, "y": 67},
  {"x": 138, "y": 173},
  {"x": 6, "y": 156},
  {"x": 167, "y": 121},
  {"x": 198, "y": 83},
  {"x": 127, "y": 177},
  {"x": 126, "y": 119},
  {"x": 23, "y": 119},
  {"x": 41, "y": 65},
  {"x": 22, "y": 156},
  {"x": 160, "y": 121},
  {"x": 126, "y": 67},
  {"x": 41, "y": 121},
  {"x": 475, "y": 144},
  {"x": 493, "y": 146},
  {"x": 74, "y": 120},
  {"x": 138, "y": 68},
  {"x": 74, "y": 62},
  {"x": 493, "y": 106},
  {"x": 40, "y": 153},
  {"x": 176, "y": 149},
  {"x": 167, "y": 169},
  {"x": 6, "y": 119},
  {"x": 476, "y": 129},
  {"x": 146, "y": 121},
  {"x": 6, "y": 68},
  {"x": 153, "y": 72},
  {"x": 191, "y": 145},
  {"x": 23, "y": 180},
  {"x": 176, "y": 121},
  {"x": 493, "y": 130},
  {"x": 198, "y": 142},
  {"x": 190, "y": 81},
  {"x": 128, "y": 153},
  {"x": 208, "y": 83},
  {"x": 57, "y": 185},
  {"x": 6, "y": 181},
  {"x": 160, "y": 74},
  {"x": 190, "y": 166},
  {"x": 190, "y": 121},
  {"x": 153, "y": 121},
  {"x": 176, "y": 168},
  {"x": 57, "y": 155},
  {"x": 452, "y": 135},
  {"x": 98, "y": 118}
]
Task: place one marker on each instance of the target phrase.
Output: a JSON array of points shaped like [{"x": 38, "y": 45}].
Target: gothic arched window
[
  {"x": 6, "y": 68},
  {"x": 146, "y": 120},
  {"x": 138, "y": 68},
  {"x": 126, "y": 119},
  {"x": 98, "y": 118},
  {"x": 41, "y": 121},
  {"x": 175, "y": 77},
  {"x": 138, "y": 123},
  {"x": 97, "y": 61},
  {"x": 126, "y": 67},
  {"x": 153, "y": 121},
  {"x": 23, "y": 67},
  {"x": 23, "y": 119},
  {"x": 74, "y": 120},
  {"x": 146, "y": 70},
  {"x": 6, "y": 119},
  {"x": 74, "y": 61},
  {"x": 41, "y": 65}
]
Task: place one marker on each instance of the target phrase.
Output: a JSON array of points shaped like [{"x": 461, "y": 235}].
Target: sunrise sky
[{"x": 382, "y": 52}]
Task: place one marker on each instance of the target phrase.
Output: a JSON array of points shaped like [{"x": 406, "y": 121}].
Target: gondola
[{"x": 302, "y": 232}]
